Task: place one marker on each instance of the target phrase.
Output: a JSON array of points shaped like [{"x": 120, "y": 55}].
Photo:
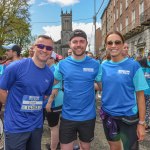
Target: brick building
[{"x": 132, "y": 19}]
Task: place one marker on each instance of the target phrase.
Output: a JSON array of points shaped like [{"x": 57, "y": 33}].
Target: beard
[{"x": 76, "y": 53}]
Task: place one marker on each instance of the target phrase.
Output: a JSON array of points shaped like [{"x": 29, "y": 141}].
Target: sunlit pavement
[{"x": 99, "y": 142}]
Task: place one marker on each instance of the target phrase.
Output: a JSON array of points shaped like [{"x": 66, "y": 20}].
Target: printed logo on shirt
[
  {"x": 88, "y": 69},
  {"x": 147, "y": 75},
  {"x": 46, "y": 80},
  {"x": 124, "y": 72}
]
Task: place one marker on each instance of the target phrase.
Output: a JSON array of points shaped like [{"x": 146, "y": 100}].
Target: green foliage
[{"x": 14, "y": 22}]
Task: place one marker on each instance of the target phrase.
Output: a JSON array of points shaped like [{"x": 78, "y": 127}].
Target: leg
[
  {"x": 68, "y": 146},
  {"x": 116, "y": 145},
  {"x": 67, "y": 134},
  {"x": 16, "y": 141},
  {"x": 129, "y": 136},
  {"x": 84, "y": 146},
  {"x": 86, "y": 133},
  {"x": 113, "y": 141},
  {"x": 53, "y": 122},
  {"x": 34, "y": 143},
  {"x": 54, "y": 137}
]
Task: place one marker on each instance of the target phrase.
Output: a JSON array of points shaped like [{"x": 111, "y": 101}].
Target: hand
[
  {"x": 48, "y": 107},
  {"x": 140, "y": 132}
]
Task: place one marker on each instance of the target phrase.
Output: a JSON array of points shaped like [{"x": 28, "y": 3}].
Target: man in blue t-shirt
[
  {"x": 23, "y": 86},
  {"x": 78, "y": 72}
]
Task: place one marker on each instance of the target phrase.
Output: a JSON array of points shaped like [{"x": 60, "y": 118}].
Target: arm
[
  {"x": 3, "y": 96},
  {"x": 98, "y": 86},
  {"x": 141, "y": 108},
  {"x": 51, "y": 99}
]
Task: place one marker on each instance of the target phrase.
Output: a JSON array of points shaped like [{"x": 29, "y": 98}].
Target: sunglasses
[
  {"x": 117, "y": 42},
  {"x": 41, "y": 46}
]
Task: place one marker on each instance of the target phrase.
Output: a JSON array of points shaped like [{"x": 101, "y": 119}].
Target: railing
[{"x": 133, "y": 28}]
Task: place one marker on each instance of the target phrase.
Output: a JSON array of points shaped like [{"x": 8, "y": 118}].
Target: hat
[
  {"x": 13, "y": 47},
  {"x": 53, "y": 55},
  {"x": 78, "y": 33}
]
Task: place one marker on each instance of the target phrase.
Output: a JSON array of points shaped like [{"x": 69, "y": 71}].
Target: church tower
[{"x": 66, "y": 29}]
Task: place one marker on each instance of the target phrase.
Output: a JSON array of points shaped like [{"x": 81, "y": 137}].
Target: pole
[{"x": 94, "y": 22}]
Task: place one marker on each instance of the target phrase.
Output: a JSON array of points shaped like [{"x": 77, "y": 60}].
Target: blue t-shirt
[
  {"x": 120, "y": 81},
  {"x": 58, "y": 101},
  {"x": 79, "y": 94},
  {"x": 147, "y": 76},
  {"x": 27, "y": 85}
]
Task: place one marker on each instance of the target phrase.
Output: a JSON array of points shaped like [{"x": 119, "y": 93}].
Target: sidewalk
[{"x": 99, "y": 142}]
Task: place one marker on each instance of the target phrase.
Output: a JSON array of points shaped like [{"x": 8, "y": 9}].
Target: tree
[{"x": 14, "y": 22}]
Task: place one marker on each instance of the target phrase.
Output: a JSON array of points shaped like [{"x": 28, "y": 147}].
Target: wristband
[{"x": 142, "y": 123}]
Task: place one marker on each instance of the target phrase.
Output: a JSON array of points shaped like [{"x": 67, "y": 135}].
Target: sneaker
[
  {"x": 76, "y": 147},
  {"x": 147, "y": 129}
]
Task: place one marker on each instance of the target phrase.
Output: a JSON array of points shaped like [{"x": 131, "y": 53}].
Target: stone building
[
  {"x": 61, "y": 46},
  {"x": 132, "y": 19}
]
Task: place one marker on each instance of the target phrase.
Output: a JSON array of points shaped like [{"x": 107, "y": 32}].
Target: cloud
[
  {"x": 64, "y": 2},
  {"x": 55, "y": 31},
  {"x": 42, "y": 3},
  {"x": 30, "y": 2}
]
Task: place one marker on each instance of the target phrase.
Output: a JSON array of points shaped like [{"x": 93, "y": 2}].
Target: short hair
[{"x": 45, "y": 37}]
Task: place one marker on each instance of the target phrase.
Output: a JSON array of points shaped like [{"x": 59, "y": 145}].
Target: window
[
  {"x": 114, "y": 18},
  {"x": 127, "y": 24},
  {"x": 114, "y": 2},
  {"x": 120, "y": 8},
  {"x": 133, "y": 18},
  {"x": 126, "y": 3},
  {"x": 120, "y": 26},
  {"x": 141, "y": 7},
  {"x": 117, "y": 13}
]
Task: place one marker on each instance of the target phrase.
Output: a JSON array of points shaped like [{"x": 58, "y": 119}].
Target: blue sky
[{"x": 45, "y": 16}]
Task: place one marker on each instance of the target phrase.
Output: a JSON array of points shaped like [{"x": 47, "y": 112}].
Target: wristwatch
[{"x": 142, "y": 123}]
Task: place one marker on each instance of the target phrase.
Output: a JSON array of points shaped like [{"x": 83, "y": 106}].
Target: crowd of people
[{"x": 45, "y": 85}]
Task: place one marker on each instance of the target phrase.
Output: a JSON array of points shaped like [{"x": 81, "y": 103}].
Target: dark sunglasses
[
  {"x": 114, "y": 42},
  {"x": 41, "y": 46}
]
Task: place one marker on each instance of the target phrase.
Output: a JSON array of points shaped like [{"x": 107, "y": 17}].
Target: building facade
[
  {"x": 132, "y": 19},
  {"x": 61, "y": 46}
]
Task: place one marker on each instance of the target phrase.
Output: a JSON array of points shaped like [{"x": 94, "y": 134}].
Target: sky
[{"x": 45, "y": 16}]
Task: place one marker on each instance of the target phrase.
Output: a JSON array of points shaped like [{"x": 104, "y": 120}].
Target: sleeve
[
  {"x": 99, "y": 75},
  {"x": 8, "y": 78},
  {"x": 57, "y": 74},
  {"x": 49, "y": 90},
  {"x": 139, "y": 81}
]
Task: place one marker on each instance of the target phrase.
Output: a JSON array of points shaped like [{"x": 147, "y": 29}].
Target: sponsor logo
[
  {"x": 124, "y": 72},
  {"x": 88, "y": 69}
]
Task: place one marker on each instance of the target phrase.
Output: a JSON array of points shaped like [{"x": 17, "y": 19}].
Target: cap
[
  {"x": 78, "y": 33},
  {"x": 53, "y": 55},
  {"x": 13, "y": 47}
]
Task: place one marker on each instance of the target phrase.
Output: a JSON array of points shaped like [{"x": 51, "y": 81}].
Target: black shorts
[
  {"x": 52, "y": 118},
  {"x": 69, "y": 130},
  {"x": 126, "y": 132}
]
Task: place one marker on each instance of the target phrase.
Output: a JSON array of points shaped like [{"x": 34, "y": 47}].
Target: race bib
[{"x": 31, "y": 103}]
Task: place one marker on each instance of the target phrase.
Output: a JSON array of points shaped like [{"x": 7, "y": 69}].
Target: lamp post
[{"x": 94, "y": 22}]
